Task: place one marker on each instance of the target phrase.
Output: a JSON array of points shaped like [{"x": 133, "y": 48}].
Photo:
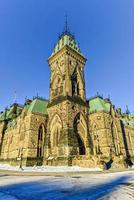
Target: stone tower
[{"x": 68, "y": 134}]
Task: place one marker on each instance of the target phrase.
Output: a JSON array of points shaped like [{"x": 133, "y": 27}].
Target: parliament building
[{"x": 67, "y": 129}]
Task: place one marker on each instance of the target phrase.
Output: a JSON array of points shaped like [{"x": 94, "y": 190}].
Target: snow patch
[{"x": 48, "y": 168}]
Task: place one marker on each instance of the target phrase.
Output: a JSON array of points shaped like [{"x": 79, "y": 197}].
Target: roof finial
[
  {"x": 109, "y": 96},
  {"x": 66, "y": 30},
  {"x": 127, "y": 110},
  {"x": 15, "y": 96},
  {"x": 25, "y": 98},
  {"x": 66, "y": 23}
]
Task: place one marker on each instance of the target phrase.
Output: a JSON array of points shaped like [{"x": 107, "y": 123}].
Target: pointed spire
[
  {"x": 25, "y": 98},
  {"x": 66, "y": 30},
  {"x": 127, "y": 110},
  {"x": 109, "y": 96},
  {"x": 15, "y": 96}
]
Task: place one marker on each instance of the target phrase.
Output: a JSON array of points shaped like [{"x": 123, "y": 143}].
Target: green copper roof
[
  {"x": 2, "y": 116},
  {"x": 68, "y": 40},
  {"x": 98, "y": 104},
  {"x": 108, "y": 106},
  {"x": 128, "y": 121},
  {"x": 26, "y": 107},
  {"x": 38, "y": 106},
  {"x": 11, "y": 113},
  {"x": 7, "y": 114}
]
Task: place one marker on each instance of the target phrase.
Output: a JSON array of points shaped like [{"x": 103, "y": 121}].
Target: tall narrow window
[
  {"x": 74, "y": 83},
  {"x": 40, "y": 142},
  {"x": 115, "y": 139},
  {"x": 78, "y": 89}
]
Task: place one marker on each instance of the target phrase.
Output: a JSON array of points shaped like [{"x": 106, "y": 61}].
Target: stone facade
[{"x": 67, "y": 129}]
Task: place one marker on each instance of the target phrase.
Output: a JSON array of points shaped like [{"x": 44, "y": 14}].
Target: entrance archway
[
  {"x": 82, "y": 150},
  {"x": 80, "y": 131}
]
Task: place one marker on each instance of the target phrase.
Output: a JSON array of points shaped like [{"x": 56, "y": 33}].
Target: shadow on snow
[{"x": 53, "y": 189}]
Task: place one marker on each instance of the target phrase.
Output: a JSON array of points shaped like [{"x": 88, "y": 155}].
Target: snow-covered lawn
[
  {"x": 48, "y": 168},
  {"x": 110, "y": 186}
]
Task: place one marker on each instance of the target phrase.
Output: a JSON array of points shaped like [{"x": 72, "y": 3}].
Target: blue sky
[{"x": 103, "y": 28}]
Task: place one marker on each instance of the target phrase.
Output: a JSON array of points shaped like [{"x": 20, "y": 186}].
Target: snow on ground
[
  {"x": 119, "y": 185},
  {"x": 48, "y": 168}
]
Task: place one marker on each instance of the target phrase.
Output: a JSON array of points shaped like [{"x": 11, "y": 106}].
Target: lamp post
[{"x": 21, "y": 158}]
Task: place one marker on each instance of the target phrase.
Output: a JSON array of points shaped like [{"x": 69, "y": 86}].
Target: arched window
[
  {"x": 22, "y": 131},
  {"x": 55, "y": 128},
  {"x": 55, "y": 137},
  {"x": 78, "y": 89},
  {"x": 75, "y": 85},
  {"x": 57, "y": 86},
  {"x": 40, "y": 141},
  {"x": 96, "y": 139},
  {"x": 115, "y": 139},
  {"x": 97, "y": 149}
]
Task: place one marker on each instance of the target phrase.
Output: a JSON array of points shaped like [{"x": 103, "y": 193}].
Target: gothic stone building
[{"x": 67, "y": 129}]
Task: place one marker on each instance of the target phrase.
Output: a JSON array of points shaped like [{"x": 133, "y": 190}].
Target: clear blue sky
[{"x": 103, "y": 28}]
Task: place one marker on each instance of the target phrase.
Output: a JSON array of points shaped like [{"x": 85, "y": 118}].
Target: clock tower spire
[
  {"x": 66, "y": 24},
  {"x": 67, "y": 107}
]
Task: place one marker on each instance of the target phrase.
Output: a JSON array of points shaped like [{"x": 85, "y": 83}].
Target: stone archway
[{"x": 80, "y": 131}]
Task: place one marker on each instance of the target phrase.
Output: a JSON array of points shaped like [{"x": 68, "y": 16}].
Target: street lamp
[{"x": 21, "y": 157}]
